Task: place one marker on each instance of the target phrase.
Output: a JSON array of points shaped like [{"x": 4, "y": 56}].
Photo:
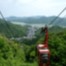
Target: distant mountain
[
  {"x": 11, "y": 30},
  {"x": 39, "y": 20}
]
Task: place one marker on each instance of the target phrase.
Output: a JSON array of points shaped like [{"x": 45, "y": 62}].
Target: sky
[{"x": 23, "y": 8}]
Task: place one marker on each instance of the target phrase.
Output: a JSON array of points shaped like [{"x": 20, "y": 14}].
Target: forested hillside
[
  {"x": 11, "y": 30},
  {"x": 57, "y": 46},
  {"x": 11, "y": 54},
  {"x": 24, "y": 53}
]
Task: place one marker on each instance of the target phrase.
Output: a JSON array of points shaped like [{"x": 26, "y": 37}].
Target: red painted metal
[
  {"x": 46, "y": 37},
  {"x": 43, "y": 48}
]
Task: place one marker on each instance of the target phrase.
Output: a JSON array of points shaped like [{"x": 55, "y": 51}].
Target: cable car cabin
[
  {"x": 42, "y": 49},
  {"x": 43, "y": 54}
]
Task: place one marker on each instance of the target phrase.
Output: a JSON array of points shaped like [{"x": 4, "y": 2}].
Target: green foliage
[
  {"x": 11, "y": 54},
  {"x": 10, "y": 30},
  {"x": 57, "y": 46}
]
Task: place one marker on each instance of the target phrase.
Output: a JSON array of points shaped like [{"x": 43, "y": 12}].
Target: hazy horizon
[
  {"x": 35, "y": 16},
  {"x": 27, "y": 8}
]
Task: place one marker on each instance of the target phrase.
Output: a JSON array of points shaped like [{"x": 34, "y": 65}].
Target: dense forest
[
  {"x": 14, "y": 53},
  {"x": 11, "y": 30}
]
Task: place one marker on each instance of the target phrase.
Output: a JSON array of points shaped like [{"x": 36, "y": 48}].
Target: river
[{"x": 33, "y": 25}]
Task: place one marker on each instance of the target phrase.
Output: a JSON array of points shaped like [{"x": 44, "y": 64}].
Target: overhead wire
[
  {"x": 59, "y": 21},
  {"x": 4, "y": 26},
  {"x": 10, "y": 31},
  {"x": 57, "y": 16}
]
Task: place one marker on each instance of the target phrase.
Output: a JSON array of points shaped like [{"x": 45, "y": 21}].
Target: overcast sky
[{"x": 22, "y": 8}]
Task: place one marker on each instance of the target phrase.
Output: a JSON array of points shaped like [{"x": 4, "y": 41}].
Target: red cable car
[{"x": 43, "y": 51}]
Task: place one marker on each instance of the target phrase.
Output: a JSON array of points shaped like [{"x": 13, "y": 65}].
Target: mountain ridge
[{"x": 39, "y": 19}]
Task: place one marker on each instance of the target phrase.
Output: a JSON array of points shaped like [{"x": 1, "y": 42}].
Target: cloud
[
  {"x": 31, "y": 7},
  {"x": 23, "y": 1}
]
